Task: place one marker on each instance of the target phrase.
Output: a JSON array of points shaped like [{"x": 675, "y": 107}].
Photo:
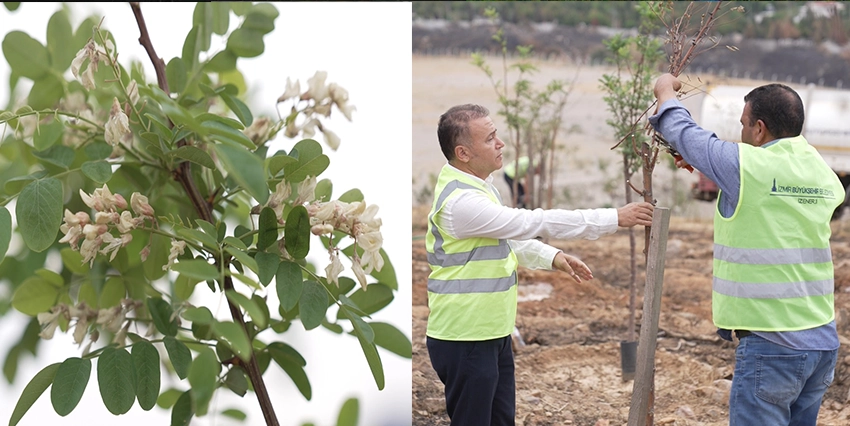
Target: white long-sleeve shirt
[{"x": 473, "y": 214}]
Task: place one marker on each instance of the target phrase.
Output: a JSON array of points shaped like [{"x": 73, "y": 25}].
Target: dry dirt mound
[{"x": 568, "y": 371}]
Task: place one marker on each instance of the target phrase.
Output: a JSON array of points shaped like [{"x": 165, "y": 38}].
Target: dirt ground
[{"x": 568, "y": 371}]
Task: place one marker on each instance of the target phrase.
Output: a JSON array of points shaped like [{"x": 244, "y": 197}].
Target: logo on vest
[{"x": 804, "y": 194}]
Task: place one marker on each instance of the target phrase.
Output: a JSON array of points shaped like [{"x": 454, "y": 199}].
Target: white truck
[{"x": 827, "y": 128}]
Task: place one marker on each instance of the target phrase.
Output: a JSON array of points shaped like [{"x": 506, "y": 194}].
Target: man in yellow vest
[
  {"x": 474, "y": 245},
  {"x": 773, "y": 273}
]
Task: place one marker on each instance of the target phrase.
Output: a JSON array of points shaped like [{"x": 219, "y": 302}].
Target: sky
[{"x": 365, "y": 48}]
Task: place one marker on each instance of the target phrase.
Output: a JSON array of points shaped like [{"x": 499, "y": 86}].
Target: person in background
[
  {"x": 475, "y": 245},
  {"x": 512, "y": 175},
  {"x": 773, "y": 272}
]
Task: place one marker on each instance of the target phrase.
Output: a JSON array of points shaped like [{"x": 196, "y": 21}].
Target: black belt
[{"x": 740, "y": 334}]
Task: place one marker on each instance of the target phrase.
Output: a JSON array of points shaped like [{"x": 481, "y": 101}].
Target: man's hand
[
  {"x": 573, "y": 266},
  {"x": 666, "y": 87},
  {"x": 635, "y": 214}
]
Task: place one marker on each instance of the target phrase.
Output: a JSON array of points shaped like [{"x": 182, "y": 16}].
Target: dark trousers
[
  {"x": 520, "y": 199},
  {"x": 479, "y": 380}
]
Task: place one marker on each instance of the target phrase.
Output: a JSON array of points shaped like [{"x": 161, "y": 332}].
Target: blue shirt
[{"x": 718, "y": 160}]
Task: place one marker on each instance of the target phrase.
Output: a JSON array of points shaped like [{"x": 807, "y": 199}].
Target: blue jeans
[{"x": 774, "y": 385}]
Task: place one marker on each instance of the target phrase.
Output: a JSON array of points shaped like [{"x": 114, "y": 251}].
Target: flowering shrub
[{"x": 209, "y": 202}]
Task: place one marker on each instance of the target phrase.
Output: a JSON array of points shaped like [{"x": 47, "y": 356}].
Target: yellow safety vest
[
  {"x": 772, "y": 262},
  {"x": 472, "y": 292}
]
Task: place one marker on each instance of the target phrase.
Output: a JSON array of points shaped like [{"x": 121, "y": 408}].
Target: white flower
[
  {"x": 346, "y": 109},
  {"x": 88, "y": 249},
  {"x": 308, "y": 130},
  {"x": 333, "y": 269},
  {"x": 306, "y": 190},
  {"x": 133, "y": 92},
  {"x": 331, "y": 139},
  {"x": 358, "y": 272},
  {"x": 177, "y": 248},
  {"x": 77, "y": 63},
  {"x": 323, "y": 109},
  {"x": 318, "y": 91},
  {"x": 125, "y": 222},
  {"x": 337, "y": 93},
  {"x": 48, "y": 322},
  {"x": 291, "y": 91},
  {"x": 140, "y": 205},
  {"x": 111, "y": 318},
  {"x": 258, "y": 131},
  {"x": 112, "y": 245},
  {"x": 81, "y": 329},
  {"x": 118, "y": 126},
  {"x": 88, "y": 78}
]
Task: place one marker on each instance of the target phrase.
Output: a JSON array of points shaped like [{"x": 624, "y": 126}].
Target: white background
[{"x": 364, "y": 47}]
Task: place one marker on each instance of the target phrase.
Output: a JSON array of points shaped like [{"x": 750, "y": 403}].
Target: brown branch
[{"x": 183, "y": 174}]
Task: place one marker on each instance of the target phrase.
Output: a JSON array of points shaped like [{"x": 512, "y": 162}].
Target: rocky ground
[{"x": 568, "y": 362}]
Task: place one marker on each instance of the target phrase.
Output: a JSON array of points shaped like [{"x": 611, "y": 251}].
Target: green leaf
[
  {"x": 313, "y": 304},
  {"x": 280, "y": 349},
  {"x": 235, "y": 381},
  {"x": 267, "y": 229},
  {"x": 98, "y": 171},
  {"x": 267, "y": 266},
  {"x": 6, "y": 231},
  {"x": 311, "y": 161},
  {"x": 349, "y": 413},
  {"x": 60, "y": 40},
  {"x": 161, "y": 314},
  {"x": 242, "y": 112},
  {"x": 68, "y": 385},
  {"x": 179, "y": 355},
  {"x": 289, "y": 284},
  {"x": 243, "y": 258},
  {"x": 373, "y": 299},
  {"x": 244, "y": 43},
  {"x": 324, "y": 189},
  {"x": 47, "y": 135},
  {"x": 168, "y": 398},
  {"x": 39, "y": 213},
  {"x": 223, "y": 61},
  {"x": 369, "y": 348},
  {"x": 234, "y": 413},
  {"x": 97, "y": 150},
  {"x": 293, "y": 368},
  {"x": 202, "y": 378},
  {"x": 26, "y": 56},
  {"x": 176, "y": 74},
  {"x": 234, "y": 337},
  {"x": 60, "y": 155},
  {"x": 182, "y": 412},
  {"x": 160, "y": 247},
  {"x": 392, "y": 339},
  {"x": 37, "y": 385},
  {"x": 34, "y": 295},
  {"x": 116, "y": 377},
  {"x": 351, "y": 196},
  {"x": 112, "y": 292},
  {"x": 229, "y": 134},
  {"x": 46, "y": 92},
  {"x": 235, "y": 242},
  {"x": 146, "y": 363},
  {"x": 246, "y": 168},
  {"x": 220, "y": 17},
  {"x": 200, "y": 315},
  {"x": 277, "y": 162},
  {"x": 195, "y": 155},
  {"x": 249, "y": 306},
  {"x": 196, "y": 268},
  {"x": 73, "y": 260},
  {"x": 195, "y": 235},
  {"x": 296, "y": 232}
]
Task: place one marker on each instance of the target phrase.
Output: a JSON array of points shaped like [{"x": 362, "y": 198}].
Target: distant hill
[{"x": 797, "y": 61}]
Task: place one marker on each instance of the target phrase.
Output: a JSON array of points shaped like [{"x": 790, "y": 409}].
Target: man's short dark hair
[
  {"x": 453, "y": 128},
  {"x": 779, "y": 107}
]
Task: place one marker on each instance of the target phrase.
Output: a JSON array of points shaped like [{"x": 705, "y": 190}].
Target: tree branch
[{"x": 183, "y": 174}]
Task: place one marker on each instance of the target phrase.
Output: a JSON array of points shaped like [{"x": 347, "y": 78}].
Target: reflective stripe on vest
[
  {"x": 772, "y": 262},
  {"x": 472, "y": 286}
]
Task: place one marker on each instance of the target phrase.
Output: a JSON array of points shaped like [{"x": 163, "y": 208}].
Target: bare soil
[{"x": 568, "y": 365}]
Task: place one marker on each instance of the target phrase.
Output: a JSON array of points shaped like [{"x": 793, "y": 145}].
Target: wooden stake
[{"x": 641, "y": 411}]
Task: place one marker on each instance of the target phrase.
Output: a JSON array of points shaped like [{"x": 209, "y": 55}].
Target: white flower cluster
[
  {"x": 113, "y": 319},
  {"x": 357, "y": 220},
  {"x": 117, "y": 128},
  {"x": 98, "y": 232},
  {"x": 321, "y": 98},
  {"x": 95, "y": 53}
]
